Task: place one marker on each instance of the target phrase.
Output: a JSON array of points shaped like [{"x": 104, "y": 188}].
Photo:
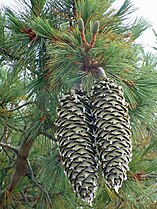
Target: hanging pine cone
[
  {"x": 77, "y": 147},
  {"x": 112, "y": 130}
]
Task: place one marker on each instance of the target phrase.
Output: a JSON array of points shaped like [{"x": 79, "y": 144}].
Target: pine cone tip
[
  {"x": 80, "y": 25},
  {"x": 96, "y": 27}
]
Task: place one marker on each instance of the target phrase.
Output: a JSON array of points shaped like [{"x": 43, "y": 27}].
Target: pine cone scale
[
  {"x": 75, "y": 137},
  {"x": 112, "y": 131}
]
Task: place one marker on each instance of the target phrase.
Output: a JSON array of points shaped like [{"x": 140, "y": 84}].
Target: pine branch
[
  {"x": 21, "y": 167},
  {"x": 6, "y": 53},
  {"x": 6, "y": 168},
  {"x": 47, "y": 135},
  {"x": 31, "y": 176},
  {"x": 13, "y": 127},
  {"x": 23, "y": 152},
  {"x": 21, "y": 164},
  {"x": 5, "y": 151},
  {"x": 24, "y": 197},
  {"x": 25, "y": 104},
  {"x": 57, "y": 61},
  {"x": 9, "y": 147}
]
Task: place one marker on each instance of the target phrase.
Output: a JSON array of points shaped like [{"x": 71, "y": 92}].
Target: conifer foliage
[{"x": 77, "y": 107}]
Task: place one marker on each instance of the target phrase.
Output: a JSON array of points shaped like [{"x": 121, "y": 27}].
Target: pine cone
[
  {"x": 77, "y": 147},
  {"x": 112, "y": 130}
]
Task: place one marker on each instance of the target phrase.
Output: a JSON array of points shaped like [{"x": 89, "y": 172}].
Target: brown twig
[
  {"x": 95, "y": 32},
  {"x": 129, "y": 83},
  {"x": 22, "y": 156},
  {"x": 82, "y": 34},
  {"x": 21, "y": 163},
  {"x": 93, "y": 40},
  {"x": 84, "y": 41}
]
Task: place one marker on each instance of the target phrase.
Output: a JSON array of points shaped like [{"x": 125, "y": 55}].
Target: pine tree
[{"x": 77, "y": 107}]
